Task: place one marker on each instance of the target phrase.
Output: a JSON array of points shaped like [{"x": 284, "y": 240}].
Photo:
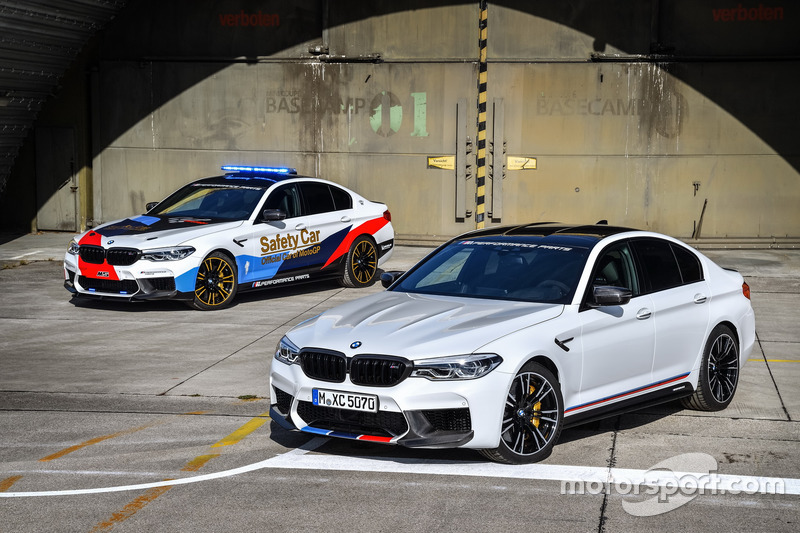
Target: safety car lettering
[{"x": 290, "y": 241}]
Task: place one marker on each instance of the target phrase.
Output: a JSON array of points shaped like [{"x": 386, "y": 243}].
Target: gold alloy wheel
[
  {"x": 364, "y": 261},
  {"x": 216, "y": 282}
]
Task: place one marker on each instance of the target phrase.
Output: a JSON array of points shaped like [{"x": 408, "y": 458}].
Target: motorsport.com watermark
[{"x": 672, "y": 483}]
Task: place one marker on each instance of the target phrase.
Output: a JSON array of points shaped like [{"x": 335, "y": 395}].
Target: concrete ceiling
[{"x": 38, "y": 41}]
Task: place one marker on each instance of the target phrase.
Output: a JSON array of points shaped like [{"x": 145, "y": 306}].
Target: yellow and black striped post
[{"x": 480, "y": 180}]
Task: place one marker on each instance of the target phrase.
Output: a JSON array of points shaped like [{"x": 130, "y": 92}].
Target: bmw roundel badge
[
  {"x": 110, "y": 242},
  {"x": 355, "y": 345}
]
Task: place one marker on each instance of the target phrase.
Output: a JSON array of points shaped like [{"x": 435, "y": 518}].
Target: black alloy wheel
[
  {"x": 719, "y": 372},
  {"x": 533, "y": 415}
]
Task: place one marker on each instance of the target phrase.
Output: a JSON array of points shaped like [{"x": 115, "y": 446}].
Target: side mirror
[
  {"x": 388, "y": 278},
  {"x": 271, "y": 215},
  {"x": 603, "y": 295},
  {"x": 150, "y": 205}
]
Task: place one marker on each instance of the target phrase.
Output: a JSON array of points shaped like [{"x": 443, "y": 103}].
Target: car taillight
[
  {"x": 746, "y": 290},
  {"x": 387, "y": 215}
]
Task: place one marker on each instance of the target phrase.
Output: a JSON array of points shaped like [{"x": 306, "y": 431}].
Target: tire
[
  {"x": 533, "y": 415},
  {"x": 361, "y": 263},
  {"x": 719, "y": 372},
  {"x": 216, "y": 283}
]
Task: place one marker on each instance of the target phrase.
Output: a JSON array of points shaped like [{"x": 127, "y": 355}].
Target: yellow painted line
[
  {"x": 192, "y": 466},
  {"x": 6, "y": 483},
  {"x": 198, "y": 462},
  {"x": 131, "y": 509},
  {"x": 96, "y": 440},
  {"x": 90, "y": 442},
  {"x": 777, "y": 360},
  {"x": 243, "y": 431}
]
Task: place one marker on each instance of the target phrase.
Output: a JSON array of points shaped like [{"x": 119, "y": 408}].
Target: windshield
[
  {"x": 211, "y": 201},
  {"x": 500, "y": 268}
]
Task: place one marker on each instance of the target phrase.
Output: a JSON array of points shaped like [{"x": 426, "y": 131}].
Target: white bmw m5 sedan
[{"x": 502, "y": 337}]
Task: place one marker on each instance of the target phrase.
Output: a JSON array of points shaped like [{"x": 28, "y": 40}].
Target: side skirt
[{"x": 667, "y": 394}]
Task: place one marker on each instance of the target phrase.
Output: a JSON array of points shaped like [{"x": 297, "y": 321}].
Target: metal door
[{"x": 56, "y": 180}]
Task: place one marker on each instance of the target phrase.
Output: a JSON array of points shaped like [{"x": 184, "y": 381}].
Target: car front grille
[
  {"x": 127, "y": 286},
  {"x": 378, "y": 371},
  {"x": 368, "y": 370},
  {"x": 122, "y": 256},
  {"x": 283, "y": 400},
  {"x": 95, "y": 255},
  {"x": 449, "y": 419},
  {"x": 324, "y": 366},
  {"x": 160, "y": 284},
  {"x": 381, "y": 424}
]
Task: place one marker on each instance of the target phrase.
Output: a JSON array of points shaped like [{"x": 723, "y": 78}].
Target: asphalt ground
[{"x": 154, "y": 417}]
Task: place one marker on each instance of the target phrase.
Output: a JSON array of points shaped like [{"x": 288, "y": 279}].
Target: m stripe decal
[{"x": 626, "y": 393}]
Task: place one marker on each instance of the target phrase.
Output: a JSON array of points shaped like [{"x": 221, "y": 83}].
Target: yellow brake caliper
[{"x": 537, "y": 408}]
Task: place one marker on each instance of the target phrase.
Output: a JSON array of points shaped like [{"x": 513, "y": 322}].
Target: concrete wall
[{"x": 656, "y": 114}]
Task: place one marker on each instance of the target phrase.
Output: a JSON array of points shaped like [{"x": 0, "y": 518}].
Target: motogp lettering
[{"x": 285, "y": 256}]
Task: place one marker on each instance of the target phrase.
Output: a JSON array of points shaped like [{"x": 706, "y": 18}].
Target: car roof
[
  {"x": 586, "y": 235},
  {"x": 262, "y": 180}
]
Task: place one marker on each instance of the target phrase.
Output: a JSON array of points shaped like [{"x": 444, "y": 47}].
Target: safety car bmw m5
[
  {"x": 501, "y": 338},
  {"x": 251, "y": 228}
]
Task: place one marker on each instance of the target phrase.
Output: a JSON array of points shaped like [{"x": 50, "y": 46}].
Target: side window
[
  {"x": 615, "y": 268},
  {"x": 691, "y": 271},
  {"x": 660, "y": 269},
  {"x": 341, "y": 198},
  {"x": 317, "y": 197},
  {"x": 287, "y": 199}
]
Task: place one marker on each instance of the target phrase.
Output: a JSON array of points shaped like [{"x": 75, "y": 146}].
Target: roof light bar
[{"x": 274, "y": 170}]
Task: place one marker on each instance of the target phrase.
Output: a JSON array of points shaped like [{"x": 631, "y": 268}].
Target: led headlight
[
  {"x": 168, "y": 254},
  {"x": 456, "y": 367},
  {"x": 74, "y": 248},
  {"x": 287, "y": 352}
]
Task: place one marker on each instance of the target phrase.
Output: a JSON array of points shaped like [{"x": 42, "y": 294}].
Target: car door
[
  {"x": 327, "y": 222},
  {"x": 271, "y": 243},
  {"x": 674, "y": 278},
  {"x": 617, "y": 341}
]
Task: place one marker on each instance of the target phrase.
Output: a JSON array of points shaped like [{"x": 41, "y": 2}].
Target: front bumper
[
  {"x": 143, "y": 280},
  {"x": 416, "y": 413}
]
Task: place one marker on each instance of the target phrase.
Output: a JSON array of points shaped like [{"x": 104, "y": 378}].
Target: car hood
[
  {"x": 418, "y": 326},
  {"x": 147, "y": 231}
]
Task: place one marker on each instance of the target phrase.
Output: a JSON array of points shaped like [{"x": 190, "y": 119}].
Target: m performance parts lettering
[{"x": 290, "y": 279}]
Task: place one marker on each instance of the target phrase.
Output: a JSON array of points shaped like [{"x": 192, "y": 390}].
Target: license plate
[{"x": 345, "y": 400}]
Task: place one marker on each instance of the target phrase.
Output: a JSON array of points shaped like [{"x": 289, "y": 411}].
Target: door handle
[
  {"x": 300, "y": 227},
  {"x": 700, "y": 298},
  {"x": 643, "y": 314},
  {"x": 345, "y": 219}
]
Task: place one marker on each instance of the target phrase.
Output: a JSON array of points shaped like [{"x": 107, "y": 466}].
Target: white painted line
[
  {"x": 310, "y": 445},
  {"x": 25, "y": 255},
  {"x": 541, "y": 472},
  {"x": 299, "y": 459}
]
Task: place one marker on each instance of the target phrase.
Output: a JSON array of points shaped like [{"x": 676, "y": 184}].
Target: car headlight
[
  {"x": 287, "y": 352},
  {"x": 168, "y": 254},
  {"x": 456, "y": 367},
  {"x": 74, "y": 248}
]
